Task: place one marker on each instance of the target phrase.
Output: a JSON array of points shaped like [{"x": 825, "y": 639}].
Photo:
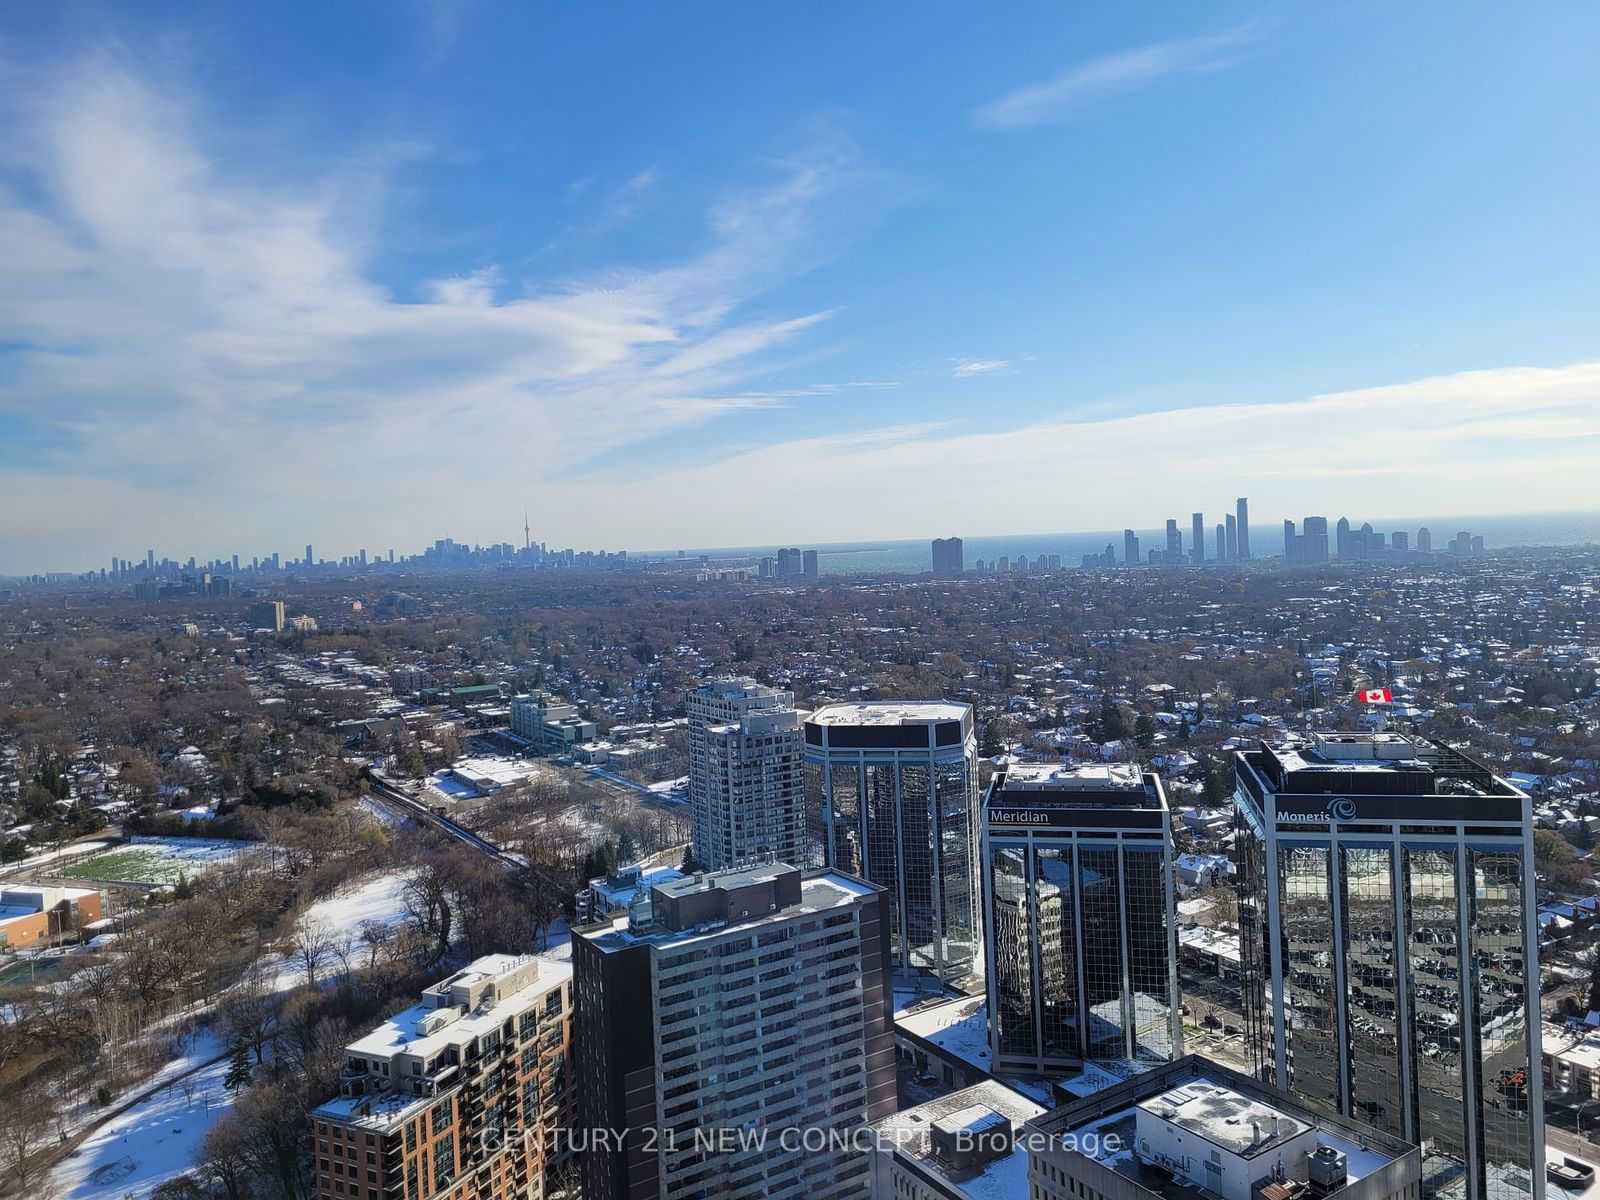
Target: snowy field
[
  {"x": 154, "y": 1140},
  {"x": 158, "y": 860},
  {"x": 371, "y": 900}
]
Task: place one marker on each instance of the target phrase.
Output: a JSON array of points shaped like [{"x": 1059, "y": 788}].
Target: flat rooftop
[
  {"x": 1224, "y": 1117},
  {"x": 889, "y": 712},
  {"x": 976, "y": 1110},
  {"x": 1056, "y": 785},
  {"x": 1107, "y": 777},
  {"x": 1373, "y": 763},
  {"x": 1206, "y": 1099},
  {"x": 818, "y": 893},
  {"x": 400, "y": 1033}
]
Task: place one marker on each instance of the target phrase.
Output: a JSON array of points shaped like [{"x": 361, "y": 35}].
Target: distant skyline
[
  {"x": 1501, "y": 530},
  {"x": 369, "y": 274}
]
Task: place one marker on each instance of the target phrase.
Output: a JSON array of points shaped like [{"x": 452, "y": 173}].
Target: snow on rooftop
[{"x": 889, "y": 712}]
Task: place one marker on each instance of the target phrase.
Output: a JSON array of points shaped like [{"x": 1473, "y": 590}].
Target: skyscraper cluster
[
  {"x": 790, "y": 563},
  {"x": 1230, "y": 542},
  {"x": 732, "y": 1028},
  {"x": 1310, "y": 545}
]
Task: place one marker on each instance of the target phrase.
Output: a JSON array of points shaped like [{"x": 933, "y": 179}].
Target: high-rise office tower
[
  {"x": 745, "y": 790},
  {"x": 1197, "y": 545},
  {"x": 1130, "y": 548},
  {"x": 1400, "y": 541},
  {"x": 1220, "y": 545},
  {"x": 1243, "y": 510},
  {"x": 1291, "y": 543},
  {"x": 467, "y": 1093},
  {"x": 1314, "y": 540},
  {"x": 728, "y": 1024},
  {"x": 1080, "y": 932},
  {"x": 1389, "y": 946},
  {"x": 149, "y": 560},
  {"x": 1174, "y": 542},
  {"x": 892, "y": 796},
  {"x": 1425, "y": 540},
  {"x": 1342, "y": 542},
  {"x": 1231, "y": 525},
  {"x": 808, "y": 564},
  {"x": 949, "y": 558},
  {"x": 309, "y": 559},
  {"x": 267, "y": 614},
  {"x": 1366, "y": 542}
]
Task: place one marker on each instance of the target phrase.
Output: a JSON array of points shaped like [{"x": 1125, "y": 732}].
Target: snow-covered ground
[
  {"x": 159, "y": 860},
  {"x": 154, "y": 1140},
  {"x": 372, "y": 899},
  {"x": 384, "y": 816},
  {"x": 49, "y": 856}
]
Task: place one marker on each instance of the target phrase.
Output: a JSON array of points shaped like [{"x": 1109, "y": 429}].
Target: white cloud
[
  {"x": 1512, "y": 440},
  {"x": 965, "y": 368},
  {"x": 216, "y": 352},
  {"x": 1115, "y": 74}
]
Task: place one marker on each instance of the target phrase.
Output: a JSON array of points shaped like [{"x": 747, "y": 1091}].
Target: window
[{"x": 444, "y": 1160}]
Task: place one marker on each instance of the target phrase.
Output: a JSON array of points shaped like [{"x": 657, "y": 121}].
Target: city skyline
[
  {"x": 1263, "y": 531},
  {"x": 589, "y": 284}
]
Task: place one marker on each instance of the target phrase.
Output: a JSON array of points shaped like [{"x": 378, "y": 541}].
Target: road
[{"x": 1569, "y": 1143}]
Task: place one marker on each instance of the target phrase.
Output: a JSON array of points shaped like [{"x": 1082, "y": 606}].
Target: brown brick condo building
[{"x": 459, "y": 1097}]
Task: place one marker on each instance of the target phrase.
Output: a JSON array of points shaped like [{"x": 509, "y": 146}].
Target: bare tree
[
  {"x": 24, "y": 1133},
  {"x": 314, "y": 946}
]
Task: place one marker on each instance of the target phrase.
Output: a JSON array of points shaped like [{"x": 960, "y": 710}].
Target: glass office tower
[
  {"x": 1388, "y": 937},
  {"x": 892, "y": 796},
  {"x": 1082, "y": 941}
]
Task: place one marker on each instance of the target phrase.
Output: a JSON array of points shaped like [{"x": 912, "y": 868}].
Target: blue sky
[{"x": 371, "y": 273}]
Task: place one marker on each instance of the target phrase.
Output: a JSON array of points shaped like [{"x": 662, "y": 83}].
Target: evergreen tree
[
  {"x": 239, "y": 1073},
  {"x": 1144, "y": 729}
]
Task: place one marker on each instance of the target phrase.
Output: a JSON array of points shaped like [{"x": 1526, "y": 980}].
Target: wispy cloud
[
  {"x": 1443, "y": 436},
  {"x": 1126, "y": 71},
  {"x": 178, "y": 325},
  {"x": 965, "y": 368}
]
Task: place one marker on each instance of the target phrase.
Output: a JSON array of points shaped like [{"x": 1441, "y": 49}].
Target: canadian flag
[{"x": 1375, "y": 696}]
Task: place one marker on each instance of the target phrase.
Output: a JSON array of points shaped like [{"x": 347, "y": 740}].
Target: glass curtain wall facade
[
  {"x": 1082, "y": 940},
  {"x": 1389, "y": 953},
  {"x": 892, "y": 796}
]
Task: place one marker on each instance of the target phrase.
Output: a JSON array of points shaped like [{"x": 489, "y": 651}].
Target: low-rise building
[
  {"x": 1571, "y": 1061},
  {"x": 1192, "y": 1127},
  {"x": 30, "y": 914},
  {"x": 551, "y": 724},
  {"x": 962, "y": 1146},
  {"x": 464, "y": 1095}
]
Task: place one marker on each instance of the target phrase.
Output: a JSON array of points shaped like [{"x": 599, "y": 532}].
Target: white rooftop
[
  {"x": 889, "y": 712},
  {"x": 1058, "y": 777},
  {"x": 1224, "y": 1117},
  {"x": 401, "y": 1032}
]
